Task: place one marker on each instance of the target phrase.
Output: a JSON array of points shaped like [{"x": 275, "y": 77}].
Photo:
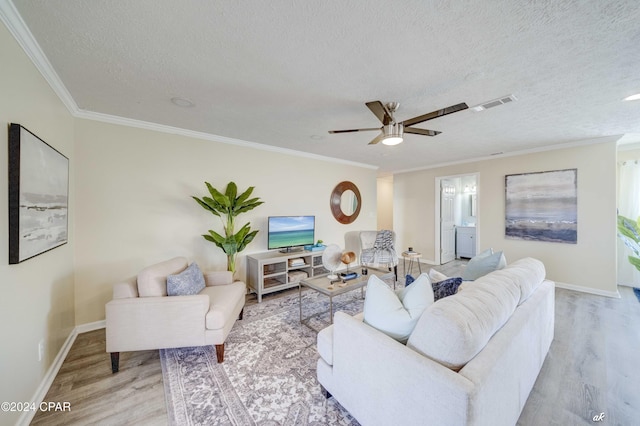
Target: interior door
[{"x": 447, "y": 221}]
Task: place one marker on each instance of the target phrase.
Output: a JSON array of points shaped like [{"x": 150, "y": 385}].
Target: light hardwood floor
[{"x": 592, "y": 368}]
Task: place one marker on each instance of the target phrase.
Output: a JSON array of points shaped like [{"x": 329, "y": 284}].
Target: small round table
[{"x": 413, "y": 257}]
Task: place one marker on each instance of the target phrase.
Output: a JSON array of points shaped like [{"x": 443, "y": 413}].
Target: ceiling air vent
[{"x": 494, "y": 103}]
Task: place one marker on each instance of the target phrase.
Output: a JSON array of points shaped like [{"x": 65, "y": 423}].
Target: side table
[{"x": 412, "y": 257}]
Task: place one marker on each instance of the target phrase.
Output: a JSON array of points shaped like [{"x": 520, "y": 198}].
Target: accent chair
[{"x": 143, "y": 316}]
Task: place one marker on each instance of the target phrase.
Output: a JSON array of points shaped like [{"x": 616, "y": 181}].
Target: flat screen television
[{"x": 286, "y": 232}]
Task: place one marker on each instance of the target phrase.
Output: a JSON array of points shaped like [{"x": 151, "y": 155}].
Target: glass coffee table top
[{"x": 323, "y": 285}]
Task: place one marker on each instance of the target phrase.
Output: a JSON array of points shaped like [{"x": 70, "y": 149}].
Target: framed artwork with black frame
[{"x": 38, "y": 195}]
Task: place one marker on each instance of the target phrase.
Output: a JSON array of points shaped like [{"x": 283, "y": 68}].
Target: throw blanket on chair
[{"x": 382, "y": 253}]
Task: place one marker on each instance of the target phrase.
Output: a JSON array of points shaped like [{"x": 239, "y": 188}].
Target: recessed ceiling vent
[{"x": 494, "y": 103}]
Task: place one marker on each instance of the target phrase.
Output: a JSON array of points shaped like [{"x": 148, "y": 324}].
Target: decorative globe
[{"x": 348, "y": 257}]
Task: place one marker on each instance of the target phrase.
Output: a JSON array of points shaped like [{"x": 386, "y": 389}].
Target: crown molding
[
  {"x": 18, "y": 28},
  {"x": 129, "y": 122},
  {"x": 11, "y": 18},
  {"x": 602, "y": 139}
]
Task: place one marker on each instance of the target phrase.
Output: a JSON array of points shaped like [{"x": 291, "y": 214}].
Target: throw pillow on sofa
[
  {"x": 436, "y": 276},
  {"x": 442, "y": 285},
  {"x": 396, "y": 313},
  {"x": 152, "y": 280},
  {"x": 446, "y": 287},
  {"x": 482, "y": 264},
  {"x": 188, "y": 282}
]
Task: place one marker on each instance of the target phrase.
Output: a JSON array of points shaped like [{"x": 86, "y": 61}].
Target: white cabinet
[
  {"x": 465, "y": 241},
  {"x": 274, "y": 271}
]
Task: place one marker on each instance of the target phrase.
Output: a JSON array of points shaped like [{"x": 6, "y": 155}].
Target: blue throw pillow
[
  {"x": 190, "y": 281},
  {"x": 446, "y": 288},
  {"x": 408, "y": 280},
  {"x": 482, "y": 264}
]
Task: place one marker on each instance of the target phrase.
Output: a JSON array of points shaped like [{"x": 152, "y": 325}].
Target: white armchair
[
  {"x": 141, "y": 316},
  {"x": 363, "y": 243}
]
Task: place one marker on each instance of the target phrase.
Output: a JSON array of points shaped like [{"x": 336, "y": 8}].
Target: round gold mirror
[{"x": 345, "y": 202}]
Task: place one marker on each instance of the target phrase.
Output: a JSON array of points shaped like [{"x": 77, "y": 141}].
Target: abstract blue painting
[{"x": 542, "y": 206}]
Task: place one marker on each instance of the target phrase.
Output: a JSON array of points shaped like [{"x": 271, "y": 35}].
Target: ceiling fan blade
[
  {"x": 377, "y": 139},
  {"x": 381, "y": 111},
  {"x": 354, "y": 130},
  {"x": 424, "y": 132},
  {"x": 435, "y": 114}
]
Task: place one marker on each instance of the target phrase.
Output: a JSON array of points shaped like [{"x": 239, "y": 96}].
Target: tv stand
[
  {"x": 296, "y": 249},
  {"x": 271, "y": 271}
]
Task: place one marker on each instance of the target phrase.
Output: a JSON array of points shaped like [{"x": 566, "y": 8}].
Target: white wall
[
  {"x": 385, "y": 202},
  {"x": 37, "y": 295},
  {"x": 134, "y": 207},
  {"x": 591, "y": 263}
]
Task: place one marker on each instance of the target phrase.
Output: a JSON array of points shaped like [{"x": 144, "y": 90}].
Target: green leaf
[
  {"x": 205, "y": 205},
  {"x": 213, "y": 204},
  {"x": 218, "y": 196},
  {"x": 631, "y": 243},
  {"x": 231, "y": 192},
  {"x": 211, "y": 239},
  {"x": 230, "y": 246},
  {"x": 246, "y": 240},
  {"x": 241, "y": 199},
  {"x": 247, "y": 207},
  {"x": 635, "y": 262},
  {"x": 217, "y": 238},
  {"x": 242, "y": 232}
]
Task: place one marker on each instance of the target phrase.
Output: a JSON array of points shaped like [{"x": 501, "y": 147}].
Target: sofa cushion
[
  {"x": 447, "y": 287},
  {"x": 483, "y": 264},
  {"x": 222, "y": 301},
  {"x": 125, "y": 290},
  {"x": 528, "y": 274},
  {"x": 455, "y": 329},
  {"x": 188, "y": 282},
  {"x": 218, "y": 277},
  {"x": 152, "y": 281},
  {"x": 325, "y": 344},
  {"x": 436, "y": 276},
  {"x": 395, "y": 314}
]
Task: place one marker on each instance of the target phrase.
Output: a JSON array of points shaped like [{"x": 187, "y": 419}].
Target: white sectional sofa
[{"x": 472, "y": 358}]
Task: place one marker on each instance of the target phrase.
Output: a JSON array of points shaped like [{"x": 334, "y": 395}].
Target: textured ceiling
[{"x": 285, "y": 72}]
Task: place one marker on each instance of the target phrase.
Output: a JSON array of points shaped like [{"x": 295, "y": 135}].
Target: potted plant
[
  {"x": 629, "y": 233},
  {"x": 227, "y": 206}
]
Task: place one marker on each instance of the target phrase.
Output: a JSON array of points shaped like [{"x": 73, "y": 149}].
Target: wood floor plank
[{"x": 591, "y": 368}]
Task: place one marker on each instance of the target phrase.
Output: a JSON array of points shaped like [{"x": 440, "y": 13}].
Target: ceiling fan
[{"x": 393, "y": 130}]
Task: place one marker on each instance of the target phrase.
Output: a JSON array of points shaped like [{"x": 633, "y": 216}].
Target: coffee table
[{"x": 322, "y": 285}]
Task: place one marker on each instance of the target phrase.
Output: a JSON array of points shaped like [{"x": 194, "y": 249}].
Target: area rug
[{"x": 268, "y": 376}]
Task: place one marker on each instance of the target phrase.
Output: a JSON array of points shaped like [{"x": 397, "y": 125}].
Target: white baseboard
[
  {"x": 27, "y": 416},
  {"x": 613, "y": 294},
  {"x": 90, "y": 326},
  {"x": 48, "y": 378}
]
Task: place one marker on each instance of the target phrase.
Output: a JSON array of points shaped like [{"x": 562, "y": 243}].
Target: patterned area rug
[{"x": 269, "y": 373}]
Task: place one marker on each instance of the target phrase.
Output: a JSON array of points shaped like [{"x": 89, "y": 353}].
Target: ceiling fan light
[{"x": 392, "y": 140}]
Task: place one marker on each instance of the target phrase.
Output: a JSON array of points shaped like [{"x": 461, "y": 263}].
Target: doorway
[{"x": 456, "y": 206}]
